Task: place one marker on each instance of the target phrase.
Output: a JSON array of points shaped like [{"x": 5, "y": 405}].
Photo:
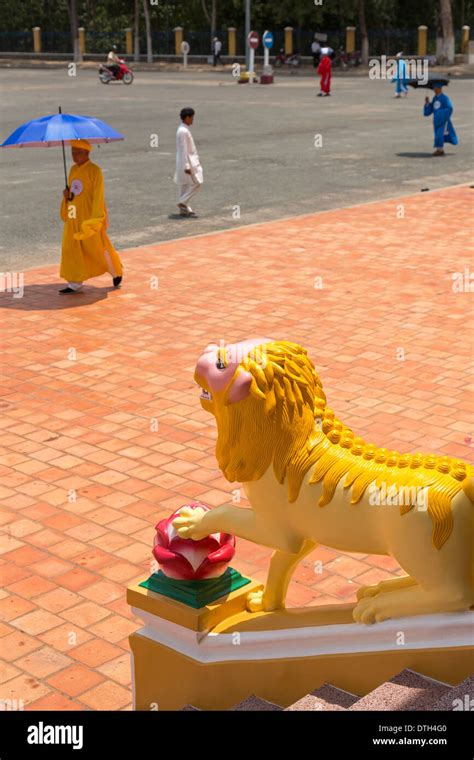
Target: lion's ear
[{"x": 240, "y": 388}]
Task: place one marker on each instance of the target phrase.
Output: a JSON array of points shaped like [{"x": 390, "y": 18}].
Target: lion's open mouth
[{"x": 207, "y": 395}]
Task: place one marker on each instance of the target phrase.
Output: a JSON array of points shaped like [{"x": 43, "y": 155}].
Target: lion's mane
[{"x": 285, "y": 423}]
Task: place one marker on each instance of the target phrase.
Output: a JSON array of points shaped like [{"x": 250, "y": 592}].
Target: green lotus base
[{"x": 195, "y": 594}]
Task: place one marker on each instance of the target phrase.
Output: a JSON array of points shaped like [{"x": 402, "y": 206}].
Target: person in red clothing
[{"x": 324, "y": 70}]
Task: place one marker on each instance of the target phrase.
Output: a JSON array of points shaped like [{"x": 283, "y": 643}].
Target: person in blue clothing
[
  {"x": 441, "y": 108},
  {"x": 401, "y": 77}
]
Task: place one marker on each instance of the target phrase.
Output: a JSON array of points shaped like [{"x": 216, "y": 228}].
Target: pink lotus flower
[{"x": 185, "y": 559}]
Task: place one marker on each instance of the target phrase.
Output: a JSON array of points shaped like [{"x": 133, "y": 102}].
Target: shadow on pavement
[
  {"x": 47, "y": 298},
  {"x": 181, "y": 216},
  {"x": 416, "y": 155}
]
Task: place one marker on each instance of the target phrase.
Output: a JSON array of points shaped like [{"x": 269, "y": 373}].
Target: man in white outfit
[
  {"x": 216, "y": 51},
  {"x": 189, "y": 174}
]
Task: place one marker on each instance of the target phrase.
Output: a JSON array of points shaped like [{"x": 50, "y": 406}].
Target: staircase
[
  {"x": 406, "y": 692},
  {"x": 222, "y": 657}
]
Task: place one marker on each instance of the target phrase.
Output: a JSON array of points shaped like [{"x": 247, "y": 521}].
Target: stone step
[
  {"x": 459, "y": 697},
  {"x": 327, "y": 697},
  {"x": 406, "y": 691},
  {"x": 256, "y": 704}
]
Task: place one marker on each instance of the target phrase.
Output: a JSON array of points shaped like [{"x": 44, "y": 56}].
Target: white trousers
[
  {"x": 74, "y": 285},
  {"x": 186, "y": 192}
]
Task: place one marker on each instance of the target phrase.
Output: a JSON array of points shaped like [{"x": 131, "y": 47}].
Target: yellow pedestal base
[{"x": 215, "y": 657}]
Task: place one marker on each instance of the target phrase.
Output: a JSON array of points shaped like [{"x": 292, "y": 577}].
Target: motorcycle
[
  {"x": 282, "y": 59},
  {"x": 345, "y": 60},
  {"x": 124, "y": 74}
]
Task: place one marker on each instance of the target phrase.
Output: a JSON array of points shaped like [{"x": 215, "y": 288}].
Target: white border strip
[{"x": 420, "y": 632}]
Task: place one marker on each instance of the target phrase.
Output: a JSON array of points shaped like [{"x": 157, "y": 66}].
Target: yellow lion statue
[{"x": 310, "y": 481}]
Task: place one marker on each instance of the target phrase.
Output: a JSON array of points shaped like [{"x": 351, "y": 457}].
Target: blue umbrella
[{"x": 58, "y": 129}]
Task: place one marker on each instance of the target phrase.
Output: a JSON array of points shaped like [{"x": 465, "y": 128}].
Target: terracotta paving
[{"x": 103, "y": 434}]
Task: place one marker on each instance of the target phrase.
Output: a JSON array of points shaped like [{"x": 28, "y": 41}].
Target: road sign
[
  {"x": 185, "y": 48},
  {"x": 267, "y": 40},
  {"x": 253, "y": 40}
]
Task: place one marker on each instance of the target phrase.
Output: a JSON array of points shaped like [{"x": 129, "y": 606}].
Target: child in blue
[
  {"x": 401, "y": 77},
  {"x": 441, "y": 108}
]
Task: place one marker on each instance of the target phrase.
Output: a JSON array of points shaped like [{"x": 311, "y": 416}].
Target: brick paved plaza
[{"x": 85, "y": 474}]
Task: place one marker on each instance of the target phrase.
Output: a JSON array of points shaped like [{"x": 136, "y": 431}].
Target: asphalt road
[{"x": 256, "y": 143}]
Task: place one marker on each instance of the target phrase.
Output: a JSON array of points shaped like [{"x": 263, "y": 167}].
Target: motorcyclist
[
  {"x": 292, "y": 59},
  {"x": 113, "y": 61}
]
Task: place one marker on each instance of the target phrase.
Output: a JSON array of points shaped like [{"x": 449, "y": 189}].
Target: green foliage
[{"x": 110, "y": 17}]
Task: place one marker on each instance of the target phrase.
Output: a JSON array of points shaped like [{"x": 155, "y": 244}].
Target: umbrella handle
[
  {"x": 60, "y": 110},
  {"x": 64, "y": 162},
  {"x": 71, "y": 195}
]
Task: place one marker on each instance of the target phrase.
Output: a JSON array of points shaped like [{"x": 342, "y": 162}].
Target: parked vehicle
[
  {"x": 345, "y": 60},
  {"x": 282, "y": 59},
  {"x": 121, "y": 74}
]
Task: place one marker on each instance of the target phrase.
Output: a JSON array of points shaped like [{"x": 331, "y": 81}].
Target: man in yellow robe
[{"x": 86, "y": 249}]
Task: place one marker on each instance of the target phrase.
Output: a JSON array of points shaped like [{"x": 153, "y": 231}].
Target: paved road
[{"x": 257, "y": 146}]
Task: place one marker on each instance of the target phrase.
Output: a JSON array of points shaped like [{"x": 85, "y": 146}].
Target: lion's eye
[{"x": 220, "y": 364}]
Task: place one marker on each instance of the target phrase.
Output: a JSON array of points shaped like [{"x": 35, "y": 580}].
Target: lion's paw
[
  {"x": 369, "y": 610},
  {"x": 188, "y": 523},
  {"x": 254, "y": 601},
  {"x": 391, "y": 584},
  {"x": 365, "y": 591}
]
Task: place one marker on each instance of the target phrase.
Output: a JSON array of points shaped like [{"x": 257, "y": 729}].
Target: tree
[
  {"x": 211, "y": 17},
  {"x": 363, "y": 33},
  {"x": 445, "y": 42},
  {"x": 73, "y": 20},
  {"x": 136, "y": 32},
  {"x": 149, "y": 49}
]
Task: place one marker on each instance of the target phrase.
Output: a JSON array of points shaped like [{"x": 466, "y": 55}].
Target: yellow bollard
[
  {"x": 422, "y": 39},
  {"x": 37, "y": 39},
  {"x": 231, "y": 41},
  {"x": 465, "y": 40},
  {"x": 178, "y": 38},
  {"x": 288, "y": 40},
  {"x": 128, "y": 41},
  {"x": 350, "y": 39},
  {"x": 82, "y": 39}
]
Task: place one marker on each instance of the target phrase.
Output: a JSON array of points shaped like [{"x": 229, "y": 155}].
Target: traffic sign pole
[
  {"x": 247, "y": 33},
  {"x": 267, "y": 39},
  {"x": 267, "y": 76},
  {"x": 252, "y": 40},
  {"x": 185, "y": 48},
  {"x": 251, "y": 65}
]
